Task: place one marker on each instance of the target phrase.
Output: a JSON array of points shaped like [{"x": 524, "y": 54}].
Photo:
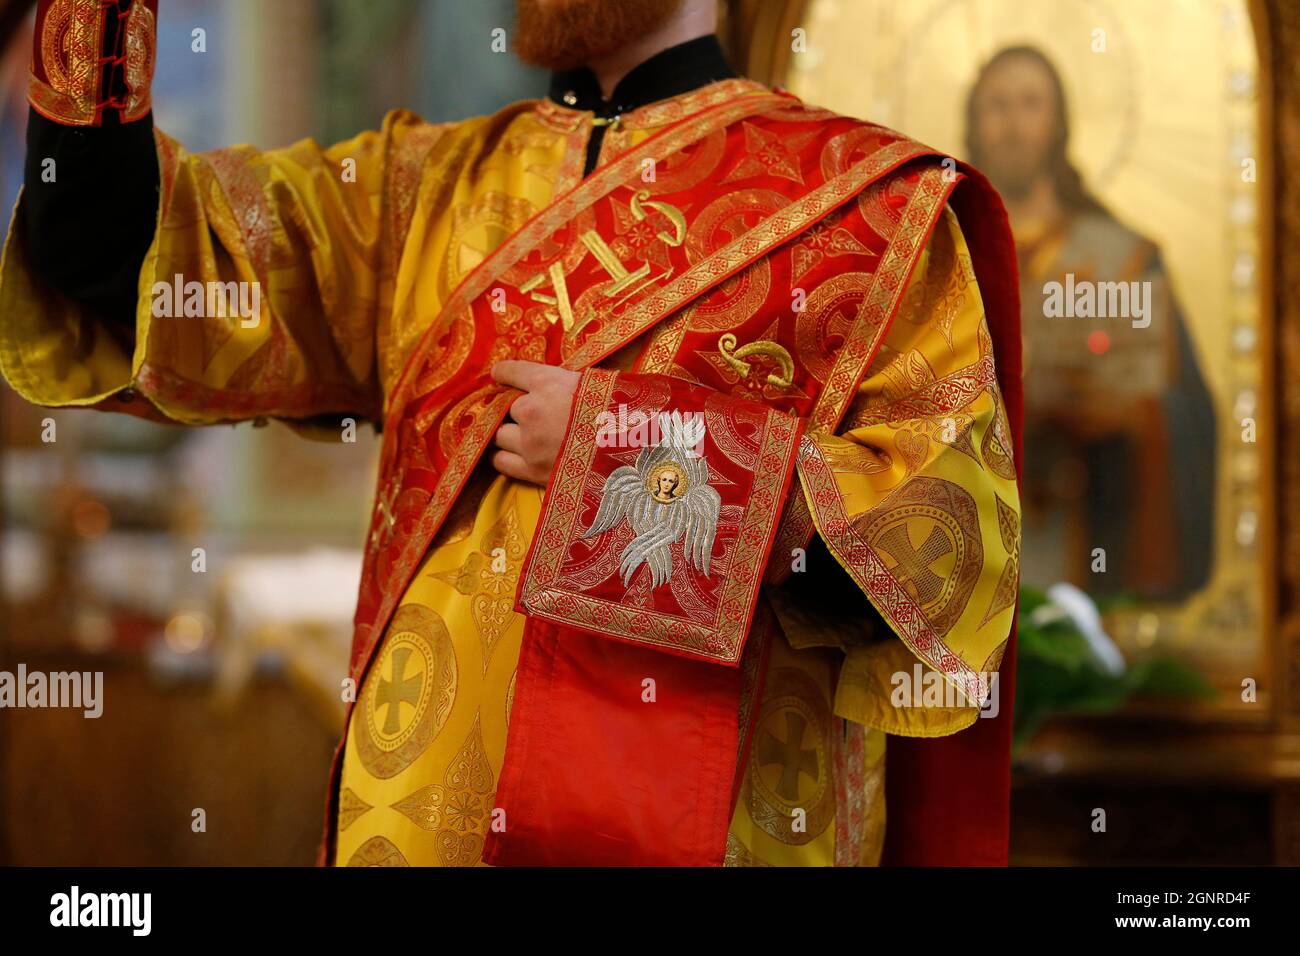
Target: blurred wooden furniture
[{"x": 122, "y": 790}]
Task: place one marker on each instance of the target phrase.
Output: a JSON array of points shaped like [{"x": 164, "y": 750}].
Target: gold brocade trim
[
  {"x": 565, "y": 119},
  {"x": 475, "y": 440},
  {"x": 859, "y": 559},
  {"x": 503, "y": 258},
  {"x": 753, "y": 669},
  {"x": 752, "y": 245},
  {"x": 562, "y": 119},
  {"x": 793, "y": 533},
  {"x": 574, "y": 164},
  {"x": 721, "y": 639},
  {"x": 662, "y": 112},
  {"x": 409, "y": 161},
  {"x": 863, "y": 799},
  {"x": 489, "y": 271},
  {"x": 562, "y": 210},
  {"x": 140, "y": 50},
  {"x": 888, "y": 286},
  {"x": 945, "y": 396},
  {"x": 665, "y": 341},
  {"x": 251, "y": 216},
  {"x": 71, "y": 41},
  {"x": 54, "y": 106},
  {"x": 847, "y": 756}
]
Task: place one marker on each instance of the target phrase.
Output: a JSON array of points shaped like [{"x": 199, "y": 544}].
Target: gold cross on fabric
[
  {"x": 392, "y": 692},
  {"x": 912, "y": 565},
  {"x": 790, "y": 754}
]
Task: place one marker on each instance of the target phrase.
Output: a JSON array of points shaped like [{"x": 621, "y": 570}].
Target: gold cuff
[{"x": 71, "y": 67}]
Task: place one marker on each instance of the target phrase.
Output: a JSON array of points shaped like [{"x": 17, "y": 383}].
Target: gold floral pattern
[
  {"x": 351, "y": 807},
  {"x": 459, "y": 809},
  {"x": 378, "y": 851},
  {"x": 65, "y": 79},
  {"x": 489, "y": 577}
]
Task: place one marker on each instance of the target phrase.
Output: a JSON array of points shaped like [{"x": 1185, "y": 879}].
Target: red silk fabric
[
  {"x": 703, "y": 605},
  {"x": 595, "y": 776},
  {"x": 597, "y": 772}
]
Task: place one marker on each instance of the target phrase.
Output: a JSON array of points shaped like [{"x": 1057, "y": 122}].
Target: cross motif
[
  {"x": 790, "y": 754},
  {"x": 912, "y": 564},
  {"x": 391, "y": 693}
]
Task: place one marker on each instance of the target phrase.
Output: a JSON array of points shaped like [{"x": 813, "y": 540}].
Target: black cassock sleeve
[{"x": 88, "y": 217}]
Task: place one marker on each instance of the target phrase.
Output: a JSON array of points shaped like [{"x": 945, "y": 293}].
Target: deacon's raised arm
[
  {"x": 77, "y": 179},
  {"x": 192, "y": 288}
]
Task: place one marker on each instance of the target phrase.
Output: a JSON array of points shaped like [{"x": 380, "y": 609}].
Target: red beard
[{"x": 564, "y": 34}]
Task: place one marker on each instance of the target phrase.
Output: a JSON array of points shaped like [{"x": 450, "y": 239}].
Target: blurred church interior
[{"x": 211, "y": 575}]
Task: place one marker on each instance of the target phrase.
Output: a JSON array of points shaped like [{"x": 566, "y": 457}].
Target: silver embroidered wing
[{"x": 691, "y": 517}]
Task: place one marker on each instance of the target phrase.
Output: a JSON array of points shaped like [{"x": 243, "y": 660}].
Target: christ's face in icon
[
  {"x": 666, "y": 486},
  {"x": 1016, "y": 124}
]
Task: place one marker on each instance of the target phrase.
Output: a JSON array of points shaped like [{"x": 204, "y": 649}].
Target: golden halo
[{"x": 652, "y": 480}]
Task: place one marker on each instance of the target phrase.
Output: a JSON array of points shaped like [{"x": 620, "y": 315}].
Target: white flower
[{"x": 1066, "y": 602}]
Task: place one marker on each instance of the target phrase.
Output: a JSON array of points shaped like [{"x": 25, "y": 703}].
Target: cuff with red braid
[{"x": 93, "y": 58}]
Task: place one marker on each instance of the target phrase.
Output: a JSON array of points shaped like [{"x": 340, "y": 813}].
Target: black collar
[{"x": 671, "y": 72}]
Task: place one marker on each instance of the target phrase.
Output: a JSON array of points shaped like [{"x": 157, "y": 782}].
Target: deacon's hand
[{"x": 530, "y": 441}]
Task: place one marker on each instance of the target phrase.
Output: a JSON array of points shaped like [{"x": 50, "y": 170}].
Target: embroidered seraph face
[
  {"x": 669, "y": 473},
  {"x": 667, "y": 482}
]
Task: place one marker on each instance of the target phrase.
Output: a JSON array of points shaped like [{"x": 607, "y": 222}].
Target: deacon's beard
[{"x": 564, "y": 34}]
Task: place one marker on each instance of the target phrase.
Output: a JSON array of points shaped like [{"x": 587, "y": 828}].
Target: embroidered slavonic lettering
[
  {"x": 625, "y": 283},
  {"x": 736, "y": 358}
]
